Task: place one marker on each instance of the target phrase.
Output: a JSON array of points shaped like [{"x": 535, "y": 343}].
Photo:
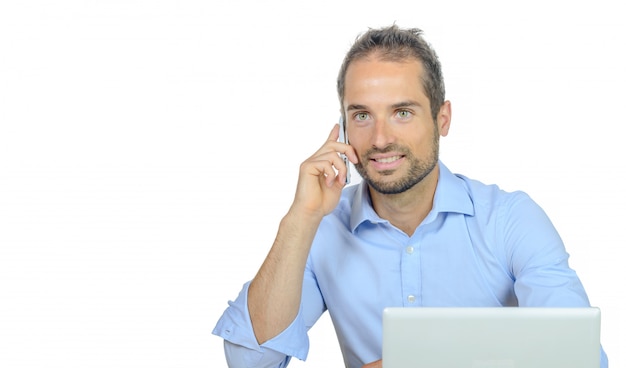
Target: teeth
[{"x": 388, "y": 159}]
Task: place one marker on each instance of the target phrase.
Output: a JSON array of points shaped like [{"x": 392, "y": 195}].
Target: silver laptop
[{"x": 491, "y": 337}]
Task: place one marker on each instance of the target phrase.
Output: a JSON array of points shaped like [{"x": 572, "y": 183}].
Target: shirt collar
[{"x": 451, "y": 195}]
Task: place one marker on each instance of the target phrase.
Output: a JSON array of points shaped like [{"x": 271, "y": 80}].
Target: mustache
[{"x": 390, "y": 148}]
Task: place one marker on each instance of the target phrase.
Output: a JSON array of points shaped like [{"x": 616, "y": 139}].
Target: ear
[{"x": 444, "y": 118}]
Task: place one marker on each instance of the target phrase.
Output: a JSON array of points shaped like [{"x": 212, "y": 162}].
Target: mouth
[
  {"x": 386, "y": 163},
  {"x": 387, "y": 160}
]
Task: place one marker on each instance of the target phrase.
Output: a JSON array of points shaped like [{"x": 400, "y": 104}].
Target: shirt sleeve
[
  {"x": 538, "y": 260},
  {"x": 240, "y": 345}
]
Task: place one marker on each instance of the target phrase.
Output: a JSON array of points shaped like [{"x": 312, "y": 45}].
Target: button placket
[{"x": 410, "y": 274}]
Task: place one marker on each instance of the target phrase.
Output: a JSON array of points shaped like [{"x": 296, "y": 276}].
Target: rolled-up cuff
[{"x": 235, "y": 327}]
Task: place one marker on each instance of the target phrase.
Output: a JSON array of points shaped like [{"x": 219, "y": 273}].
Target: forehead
[{"x": 378, "y": 78}]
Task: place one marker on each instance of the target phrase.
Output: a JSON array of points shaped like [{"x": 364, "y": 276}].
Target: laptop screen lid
[{"x": 506, "y": 337}]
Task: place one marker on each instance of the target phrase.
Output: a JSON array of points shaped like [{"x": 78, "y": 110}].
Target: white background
[{"x": 148, "y": 150}]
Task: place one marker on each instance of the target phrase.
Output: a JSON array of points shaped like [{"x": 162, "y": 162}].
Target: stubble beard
[{"x": 418, "y": 169}]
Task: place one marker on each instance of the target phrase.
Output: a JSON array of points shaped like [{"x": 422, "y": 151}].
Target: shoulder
[
  {"x": 491, "y": 196},
  {"x": 461, "y": 194},
  {"x": 513, "y": 217},
  {"x": 500, "y": 210}
]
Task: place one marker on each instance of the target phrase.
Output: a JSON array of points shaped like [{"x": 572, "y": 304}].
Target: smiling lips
[{"x": 387, "y": 162}]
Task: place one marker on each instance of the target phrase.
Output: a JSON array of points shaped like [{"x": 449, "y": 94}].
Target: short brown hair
[{"x": 397, "y": 44}]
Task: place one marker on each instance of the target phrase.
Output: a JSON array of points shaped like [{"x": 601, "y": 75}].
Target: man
[{"x": 410, "y": 234}]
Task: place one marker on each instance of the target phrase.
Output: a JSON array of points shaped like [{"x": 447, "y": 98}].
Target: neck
[{"x": 408, "y": 209}]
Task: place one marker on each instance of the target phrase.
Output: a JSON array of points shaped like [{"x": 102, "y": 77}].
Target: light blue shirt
[{"x": 478, "y": 247}]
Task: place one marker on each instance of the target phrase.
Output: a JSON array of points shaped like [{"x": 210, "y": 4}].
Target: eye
[
  {"x": 361, "y": 116},
  {"x": 404, "y": 114}
]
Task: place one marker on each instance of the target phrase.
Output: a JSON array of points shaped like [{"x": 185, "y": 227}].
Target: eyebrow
[
  {"x": 356, "y": 107},
  {"x": 405, "y": 104},
  {"x": 398, "y": 105}
]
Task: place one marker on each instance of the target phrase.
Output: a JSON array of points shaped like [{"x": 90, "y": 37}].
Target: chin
[{"x": 396, "y": 186}]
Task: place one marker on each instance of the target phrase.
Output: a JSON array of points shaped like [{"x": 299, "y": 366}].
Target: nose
[{"x": 382, "y": 134}]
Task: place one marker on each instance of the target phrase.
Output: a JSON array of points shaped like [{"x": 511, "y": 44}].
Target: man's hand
[
  {"x": 274, "y": 293},
  {"x": 376, "y": 364},
  {"x": 322, "y": 177}
]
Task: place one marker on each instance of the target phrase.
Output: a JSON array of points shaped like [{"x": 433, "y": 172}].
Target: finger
[
  {"x": 331, "y": 167},
  {"x": 343, "y": 148},
  {"x": 349, "y": 152},
  {"x": 322, "y": 167},
  {"x": 333, "y": 172},
  {"x": 330, "y": 144},
  {"x": 334, "y": 133},
  {"x": 331, "y": 152}
]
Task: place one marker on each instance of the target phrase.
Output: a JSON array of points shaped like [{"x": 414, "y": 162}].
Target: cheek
[
  {"x": 420, "y": 146},
  {"x": 358, "y": 140}
]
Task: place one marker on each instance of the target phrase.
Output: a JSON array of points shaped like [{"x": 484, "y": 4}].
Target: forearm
[{"x": 275, "y": 292}]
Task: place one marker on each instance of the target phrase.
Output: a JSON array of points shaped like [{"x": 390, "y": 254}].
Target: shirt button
[
  {"x": 409, "y": 249},
  {"x": 411, "y": 298}
]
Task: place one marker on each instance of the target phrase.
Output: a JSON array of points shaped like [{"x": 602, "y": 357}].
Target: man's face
[{"x": 389, "y": 123}]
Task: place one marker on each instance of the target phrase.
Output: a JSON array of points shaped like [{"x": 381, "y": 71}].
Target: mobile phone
[{"x": 343, "y": 137}]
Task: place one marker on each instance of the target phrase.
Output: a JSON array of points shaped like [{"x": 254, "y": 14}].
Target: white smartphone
[{"x": 343, "y": 137}]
